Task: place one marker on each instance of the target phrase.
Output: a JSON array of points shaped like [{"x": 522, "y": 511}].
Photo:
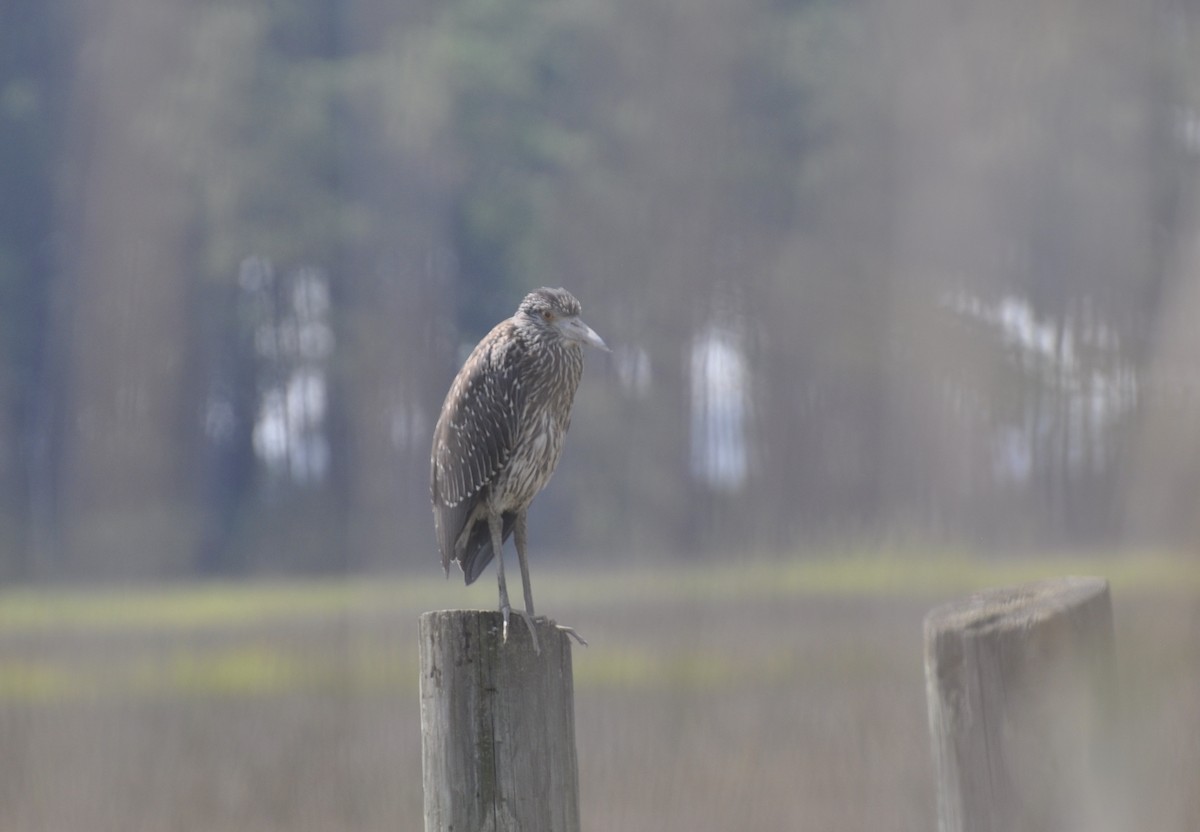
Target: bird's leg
[
  {"x": 497, "y": 544},
  {"x": 494, "y": 528},
  {"x": 519, "y": 533}
]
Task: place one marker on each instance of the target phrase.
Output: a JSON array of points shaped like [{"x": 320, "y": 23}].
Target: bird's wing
[{"x": 475, "y": 433}]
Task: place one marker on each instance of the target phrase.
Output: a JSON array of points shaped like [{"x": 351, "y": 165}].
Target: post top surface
[{"x": 1016, "y": 606}]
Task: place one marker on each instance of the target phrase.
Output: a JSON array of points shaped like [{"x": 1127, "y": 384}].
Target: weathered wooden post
[
  {"x": 497, "y": 726},
  {"x": 1017, "y": 683}
]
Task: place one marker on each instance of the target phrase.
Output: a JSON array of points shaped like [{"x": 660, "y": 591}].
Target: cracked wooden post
[
  {"x": 497, "y": 726},
  {"x": 1018, "y": 683}
]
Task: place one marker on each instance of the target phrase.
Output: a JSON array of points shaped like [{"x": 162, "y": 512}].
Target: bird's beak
[{"x": 574, "y": 329}]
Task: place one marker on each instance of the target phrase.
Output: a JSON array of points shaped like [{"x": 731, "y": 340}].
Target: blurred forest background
[{"x": 919, "y": 273}]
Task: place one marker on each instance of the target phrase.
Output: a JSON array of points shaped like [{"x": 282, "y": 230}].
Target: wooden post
[
  {"x": 1017, "y": 683},
  {"x": 497, "y": 726}
]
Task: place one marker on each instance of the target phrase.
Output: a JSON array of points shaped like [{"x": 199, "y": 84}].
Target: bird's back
[{"x": 473, "y": 438}]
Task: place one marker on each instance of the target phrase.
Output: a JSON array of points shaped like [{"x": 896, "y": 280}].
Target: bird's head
[{"x": 555, "y": 313}]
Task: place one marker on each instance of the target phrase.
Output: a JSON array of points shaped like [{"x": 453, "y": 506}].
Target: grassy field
[{"x": 764, "y": 695}]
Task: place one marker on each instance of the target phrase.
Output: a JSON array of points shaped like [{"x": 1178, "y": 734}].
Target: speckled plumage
[{"x": 501, "y": 430}]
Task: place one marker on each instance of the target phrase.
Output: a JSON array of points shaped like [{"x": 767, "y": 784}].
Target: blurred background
[{"x": 902, "y": 298}]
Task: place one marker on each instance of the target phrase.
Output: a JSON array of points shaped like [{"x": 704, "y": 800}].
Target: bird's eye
[{"x": 547, "y": 315}]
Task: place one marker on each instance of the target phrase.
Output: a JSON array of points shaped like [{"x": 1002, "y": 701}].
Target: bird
[{"x": 500, "y": 435}]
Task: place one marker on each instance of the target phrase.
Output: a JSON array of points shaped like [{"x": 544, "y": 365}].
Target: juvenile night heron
[{"x": 501, "y": 432}]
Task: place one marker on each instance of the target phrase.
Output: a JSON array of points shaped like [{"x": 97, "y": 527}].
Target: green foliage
[
  {"x": 510, "y": 84},
  {"x": 258, "y": 112}
]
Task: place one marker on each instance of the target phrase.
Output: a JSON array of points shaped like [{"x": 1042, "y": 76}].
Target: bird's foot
[
  {"x": 505, "y": 610},
  {"x": 563, "y": 628},
  {"x": 571, "y": 632}
]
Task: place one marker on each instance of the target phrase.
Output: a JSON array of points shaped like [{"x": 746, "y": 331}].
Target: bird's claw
[
  {"x": 504, "y": 613},
  {"x": 571, "y": 632},
  {"x": 563, "y": 628}
]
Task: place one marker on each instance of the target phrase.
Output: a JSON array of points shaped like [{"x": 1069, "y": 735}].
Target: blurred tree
[
  {"x": 31, "y": 70},
  {"x": 127, "y": 501},
  {"x": 1004, "y": 194}
]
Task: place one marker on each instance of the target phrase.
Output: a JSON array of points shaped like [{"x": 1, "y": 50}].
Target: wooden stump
[
  {"x": 1017, "y": 684},
  {"x": 497, "y": 726}
]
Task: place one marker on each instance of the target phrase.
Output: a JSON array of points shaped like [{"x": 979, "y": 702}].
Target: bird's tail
[{"x": 478, "y": 552}]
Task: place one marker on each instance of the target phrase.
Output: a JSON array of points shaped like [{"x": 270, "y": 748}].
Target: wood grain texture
[
  {"x": 497, "y": 726},
  {"x": 1017, "y": 685}
]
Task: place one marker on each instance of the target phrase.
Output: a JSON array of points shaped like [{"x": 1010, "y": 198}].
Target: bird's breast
[{"x": 533, "y": 462}]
